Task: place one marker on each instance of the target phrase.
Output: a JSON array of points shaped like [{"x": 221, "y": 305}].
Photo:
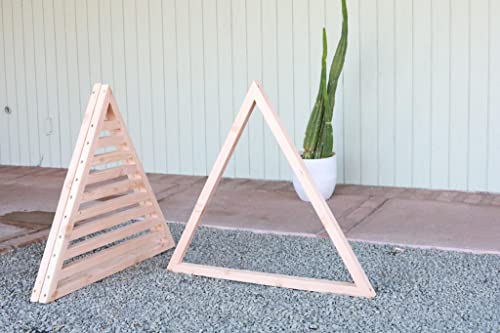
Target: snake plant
[{"x": 318, "y": 140}]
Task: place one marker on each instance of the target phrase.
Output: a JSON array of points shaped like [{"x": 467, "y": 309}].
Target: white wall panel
[
  {"x": 492, "y": 127},
  {"x": 368, "y": 92},
  {"x": 422, "y": 102},
  {"x": 479, "y": 92},
  {"x": 5, "y": 119},
  {"x": 417, "y": 104},
  {"x": 440, "y": 91},
  {"x": 386, "y": 50},
  {"x": 352, "y": 98},
  {"x": 404, "y": 93}
]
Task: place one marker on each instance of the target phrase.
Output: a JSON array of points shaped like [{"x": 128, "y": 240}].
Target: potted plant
[{"x": 318, "y": 154}]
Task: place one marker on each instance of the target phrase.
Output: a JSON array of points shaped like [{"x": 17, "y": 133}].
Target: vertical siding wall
[{"x": 418, "y": 105}]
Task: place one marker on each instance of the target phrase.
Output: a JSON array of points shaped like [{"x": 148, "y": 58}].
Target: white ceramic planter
[{"x": 323, "y": 172}]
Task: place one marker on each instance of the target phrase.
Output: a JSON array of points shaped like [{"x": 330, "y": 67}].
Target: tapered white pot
[{"x": 324, "y": 174}]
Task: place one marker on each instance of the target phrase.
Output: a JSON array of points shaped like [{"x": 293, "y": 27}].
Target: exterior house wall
[{"x": 418, "y": 104}]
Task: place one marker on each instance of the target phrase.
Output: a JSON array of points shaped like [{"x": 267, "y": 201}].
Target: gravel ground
[{"x": 417, "y": 291}]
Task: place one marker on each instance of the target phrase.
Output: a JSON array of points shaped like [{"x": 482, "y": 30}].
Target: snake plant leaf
[
  {"x": 316, "y": 119},
  {"x": 339, "y": 58},
  {"x": 318, "y": 140},
  {"x": 333, "y": 80}
]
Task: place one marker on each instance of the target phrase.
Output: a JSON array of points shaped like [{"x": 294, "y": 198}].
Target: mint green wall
[{"x": 418, "y": 106}]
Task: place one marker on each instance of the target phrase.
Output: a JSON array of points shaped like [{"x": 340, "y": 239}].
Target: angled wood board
[
  {"x": 360, "y": 285},
  {"x": 107, "y": 217}
]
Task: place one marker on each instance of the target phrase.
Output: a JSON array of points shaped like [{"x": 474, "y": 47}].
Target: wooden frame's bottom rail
[{"x": 272, "y": 279}]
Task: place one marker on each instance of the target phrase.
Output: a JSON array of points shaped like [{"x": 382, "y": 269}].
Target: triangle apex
[{"x": 256, "y": 83}]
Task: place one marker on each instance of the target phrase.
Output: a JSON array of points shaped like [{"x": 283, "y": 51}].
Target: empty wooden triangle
[
  {"x": 361, "y": 285},
  {"x": 107, "y": 218}
]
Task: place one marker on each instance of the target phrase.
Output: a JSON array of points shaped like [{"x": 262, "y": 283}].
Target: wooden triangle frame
[
  {"x": 106, "y": 219},
  {"x": 361, "y": 285}
]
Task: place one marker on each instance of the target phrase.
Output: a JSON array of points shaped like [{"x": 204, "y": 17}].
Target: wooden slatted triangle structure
[
  {"x": 361, "y": 285},
  {"x": 107, "y": 218}
]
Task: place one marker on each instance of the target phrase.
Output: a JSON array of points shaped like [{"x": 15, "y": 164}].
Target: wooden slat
[
  {"x": 111, "y": 157},
  {"x": 112, "y": 140},
  {"x": 271, "y": 279},
  {"x": 110, "y": 205},
  {"x": 110, "y": 221},
  {"x": 110, "y": 125},
  {"x": 103, "y": 175},
  {"x": 110, "y": 237},
  {"x": 110, "y": 261},
  {"x": 80, "y": 265},
  {"x": 111, "y": 189}
]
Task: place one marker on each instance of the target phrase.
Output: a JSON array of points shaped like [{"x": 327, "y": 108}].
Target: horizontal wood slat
[
  {"x": 111, "y": 157},
  {"x": 110, "y": 125},
  {"x": 107, "y": 141},
  {"x": 111, "y": 205},
  {"x": 110, "y": 237},
  {"x": 107, "y": 190},
  {"x": 91, "y": 227},
  {"x": 108, "y": 262},
  {"x": 83, "y": 264},
  {"x": 103, "y": 175}
]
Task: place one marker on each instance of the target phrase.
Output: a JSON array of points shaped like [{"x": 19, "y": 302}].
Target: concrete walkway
[{"x": 424, "y": 218}]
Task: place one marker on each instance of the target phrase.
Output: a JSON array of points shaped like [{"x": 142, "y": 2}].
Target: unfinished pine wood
[
  {"x": 82, "y": 264},
  {"x": 110, "y": 190},
  {"x": 111, "y": 205},
  {"x": 110, "y": 237},
  {"x": 108, "y": 174},
  {"x": 82, "y": 230},
  {"x": 115, "y": 156},
  {"x": 361, "y": 285},
  {"x": 271, "y": 279},
  {"x": 110, "y": 125},
  {"x": 108, "y": 141},
  {"x": 70, "y": 175},
  {"x": 108, "y": 267},
  {"x": 79, "y": 214}
]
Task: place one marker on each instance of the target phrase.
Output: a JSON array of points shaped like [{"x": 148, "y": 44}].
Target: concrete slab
[
  {"x": 173, "y": 179},
  {"x": 10, "y": 231},
  {"x": 29, "y": 220},
  {"x": 28, "y": 239},
  {"x": 6, "y": 177},
  {"x": 433, "y": 224},
  {"x": 164, "y": 190},
  {"x": 34, "y": 180},
  {"x": 259, "y": 210},
  {"x": 18, "y": 197}
]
